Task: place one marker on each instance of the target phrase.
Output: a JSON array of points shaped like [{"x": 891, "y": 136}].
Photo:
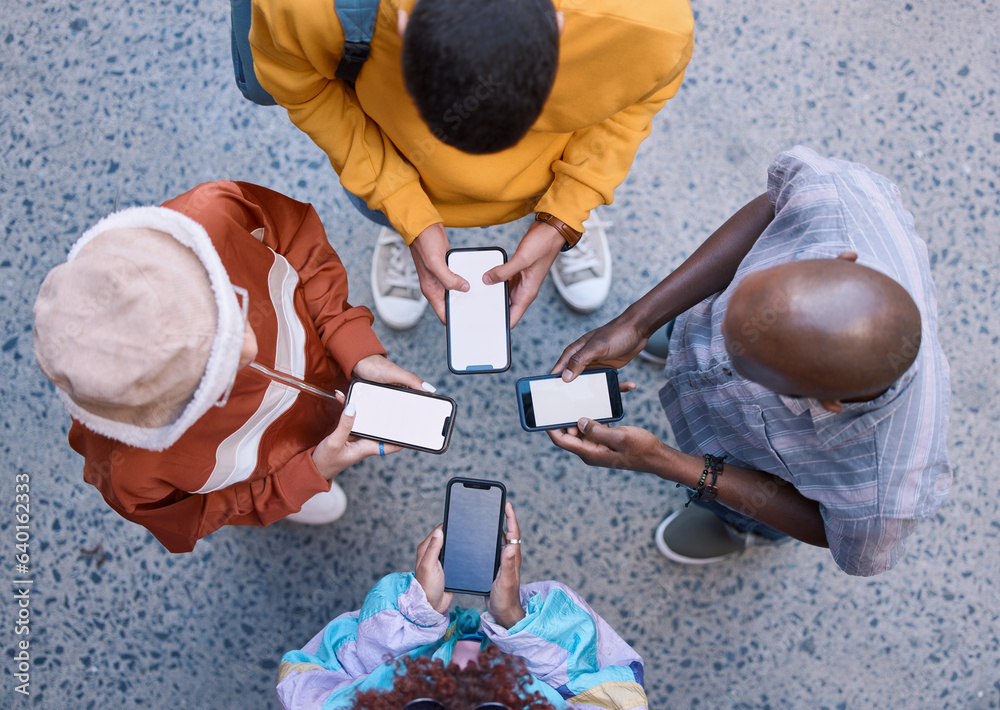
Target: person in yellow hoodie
[{"x": 477, "y": 112}]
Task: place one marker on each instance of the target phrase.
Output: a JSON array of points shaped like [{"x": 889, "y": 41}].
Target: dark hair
[
  {"x": 480, "y": 70},
  {"x": 493, "y": 677}
]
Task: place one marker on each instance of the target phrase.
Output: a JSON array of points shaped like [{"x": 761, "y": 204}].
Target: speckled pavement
[{"x": 105, "y": 104}]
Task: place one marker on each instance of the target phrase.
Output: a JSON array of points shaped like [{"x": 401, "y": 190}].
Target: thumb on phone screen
[{"x": 504, "y": 602}]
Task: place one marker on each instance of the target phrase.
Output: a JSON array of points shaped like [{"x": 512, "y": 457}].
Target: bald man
[{"x": 806, "y": 387}]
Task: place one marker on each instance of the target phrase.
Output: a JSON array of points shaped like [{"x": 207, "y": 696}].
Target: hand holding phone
[
  {"x": 430, "y": 574},
  {"x": 529, "y": 266},
  {"x": 504, "y": 602},
  {"x": 615, "y": 344},
  {"x": 473, "y": 519},
  {"x": 429, "y": 251},
  {"x": 478, "y": 321},
  {"x": 339, "y": 450},
  {"x": 379, "y": 368},
  {"x": 627, "y": 448},
  {"x": 547, "y": 402}
]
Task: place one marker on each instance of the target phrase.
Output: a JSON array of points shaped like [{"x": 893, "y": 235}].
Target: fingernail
[
  {"x": 338, "y": 393},
  {"x": 487, "y": 280},
  {"x": 465, "y": 288},
  {"x": 583, "y": 422},
  {"x": 566, "y": 374},
  {"x": 349, "y": 409},
  {"x": 428, "y": 387},
  {"x": 437, "y": 533}
]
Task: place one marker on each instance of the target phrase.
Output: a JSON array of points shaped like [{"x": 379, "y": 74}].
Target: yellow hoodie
[{"x": 619, "y": 62}]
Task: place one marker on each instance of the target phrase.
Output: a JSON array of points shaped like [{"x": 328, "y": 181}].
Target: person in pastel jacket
[{"x": 537, "y": 645}]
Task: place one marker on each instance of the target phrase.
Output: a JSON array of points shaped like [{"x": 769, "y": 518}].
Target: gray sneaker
[
  {"x": 697, "y": 536},
  {"x": 395, "y": 285},
  {"x": 658, "y": 346},
  {"x": 582, "y": 275}
]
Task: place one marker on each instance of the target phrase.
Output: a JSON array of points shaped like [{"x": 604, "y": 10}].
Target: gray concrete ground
[{"x": 111, "y": 103}]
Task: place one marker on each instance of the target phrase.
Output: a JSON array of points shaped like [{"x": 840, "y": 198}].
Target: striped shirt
[{"x": 877, "y": 467}]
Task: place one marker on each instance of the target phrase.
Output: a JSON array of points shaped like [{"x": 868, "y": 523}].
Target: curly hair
[
  {"x": 480, "y": 71},
  {"x": 492, "y": 677}
]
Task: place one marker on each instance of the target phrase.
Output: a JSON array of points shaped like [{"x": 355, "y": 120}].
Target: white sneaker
[
  {"x": 583, "y": 274},
  {"x": 395, "y": 285},
  {"x": 322, "y": 508}
]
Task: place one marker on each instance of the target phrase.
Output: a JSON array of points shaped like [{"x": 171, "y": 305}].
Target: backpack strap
[
  {"x": 357, "y": 19},
  {"x": 246, "y": 78}
]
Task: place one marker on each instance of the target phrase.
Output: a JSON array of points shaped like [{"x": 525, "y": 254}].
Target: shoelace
[
  {"x": 579, "y": 258},
  {"x": 596, "y": 220},
  {"x": 400, "y": 271},
  {"x": 583, "y": 256}
]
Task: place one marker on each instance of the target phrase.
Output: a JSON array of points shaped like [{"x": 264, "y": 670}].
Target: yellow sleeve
[
  {"x": 637, "y": 52},
  {"x": 597, "y": 159},
  {"x": 296, "y": 49}
]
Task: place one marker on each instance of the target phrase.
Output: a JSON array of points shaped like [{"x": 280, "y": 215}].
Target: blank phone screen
[
  {"x": 558, "y": 402},
  {"x": 404, "y": 417},
  {"x": 478, "y": 336},
  {"x": 471, "y": 533}
]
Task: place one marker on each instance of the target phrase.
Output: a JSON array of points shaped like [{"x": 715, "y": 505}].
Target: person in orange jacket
[{"x": 148, "y": 331}]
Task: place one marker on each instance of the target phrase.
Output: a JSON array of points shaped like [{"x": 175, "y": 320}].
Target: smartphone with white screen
[
  {"x": 546, "y": 402},
  {"x": 473, "y": 523},
  {"x": 479, "y": 319},
  {"x": 397, "y": 415}
]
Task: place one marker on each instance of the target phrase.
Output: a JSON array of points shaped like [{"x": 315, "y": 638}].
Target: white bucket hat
[{"x": 140, "y": 329}]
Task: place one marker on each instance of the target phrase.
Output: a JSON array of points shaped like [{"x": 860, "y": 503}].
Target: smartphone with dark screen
[
  {"x": 478, "y": 321},
  {"x": 397, "y": 415},
  {"x": 473, "y": 524},
  {"x": 546, "y": 402}
]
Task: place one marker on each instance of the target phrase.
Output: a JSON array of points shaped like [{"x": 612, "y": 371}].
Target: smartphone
[
  {"x": 473, "y": 523},
  {"x": 397, "y": 415},
  {"x": 546, "y": 402},
  {"x": 478, "y": 321}
]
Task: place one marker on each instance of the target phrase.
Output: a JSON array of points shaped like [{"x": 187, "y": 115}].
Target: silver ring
[
  {"x": 381, "y": 449},
  {"x": 513, "y": 541}
]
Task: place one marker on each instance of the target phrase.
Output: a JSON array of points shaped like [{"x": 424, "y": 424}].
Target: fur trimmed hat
[{"x": 140, "y": 329}]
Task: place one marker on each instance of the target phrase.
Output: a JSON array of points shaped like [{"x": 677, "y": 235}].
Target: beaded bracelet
[
  {"x": 713, "y": 464},
  {"x": 710, "y": 492}
]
